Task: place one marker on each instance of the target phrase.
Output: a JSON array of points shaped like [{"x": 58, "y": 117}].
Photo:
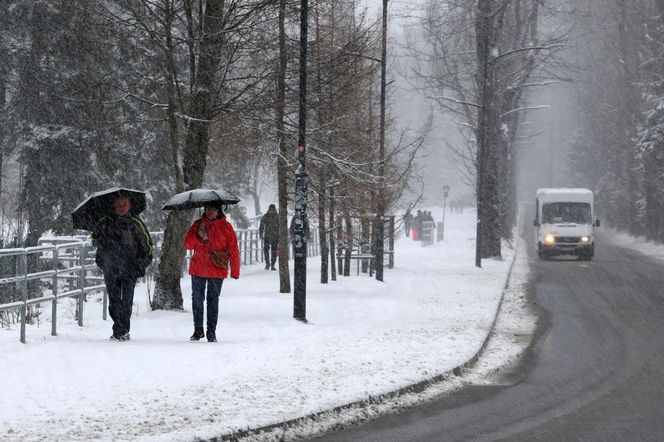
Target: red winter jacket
[{"x": 221, "y": 236}]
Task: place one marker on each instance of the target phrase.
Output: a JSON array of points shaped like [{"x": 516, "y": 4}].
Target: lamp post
[
  {"x": 380, "y": 212},
  {"x": 299, "y": 237}
]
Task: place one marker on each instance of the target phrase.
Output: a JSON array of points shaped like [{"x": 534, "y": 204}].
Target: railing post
[
  {"x": 81, "y": 282},
  {"x": 259, "y": 248},
  {"x": 251, "y": 247},
  {"x": 54, "y": 304},
  {"x": 23, "y": 287},
  {"x": 243, "y": 246}
]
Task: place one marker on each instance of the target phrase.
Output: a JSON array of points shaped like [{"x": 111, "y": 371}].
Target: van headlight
[
  {"x": 549, "y": 238},
  {"x": 585, "y": 239}
]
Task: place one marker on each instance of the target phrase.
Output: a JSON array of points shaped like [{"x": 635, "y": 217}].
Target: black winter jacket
[
  {"x": 124, "y": 245},
  {"x": 269, "y": 226}
]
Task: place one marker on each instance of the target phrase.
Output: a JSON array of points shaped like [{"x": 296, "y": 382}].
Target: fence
[
  {"x": 72, "y": 272},
  {"x": 357, "y": 247},
  {"x": 55, "y": 256},
  {"x": 249, "y": 243}
]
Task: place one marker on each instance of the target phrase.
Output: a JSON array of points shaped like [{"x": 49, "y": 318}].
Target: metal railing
[
  {"x": 72, "y": 272},
  {"x": 77, "y": 254},
  {"x": 249, "y": 243}
]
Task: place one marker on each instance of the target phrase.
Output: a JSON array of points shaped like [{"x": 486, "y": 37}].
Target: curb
[{"x": 417, "y": 387}]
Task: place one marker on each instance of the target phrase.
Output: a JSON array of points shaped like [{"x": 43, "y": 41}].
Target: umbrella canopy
[
  {"x": 87, "y": 214},
  {"x": 199, "y": 198}
]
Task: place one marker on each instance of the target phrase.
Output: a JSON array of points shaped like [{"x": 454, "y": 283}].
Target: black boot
[
  {"x": 211, "y": 336},
  {"x": 198, "y": 334}
]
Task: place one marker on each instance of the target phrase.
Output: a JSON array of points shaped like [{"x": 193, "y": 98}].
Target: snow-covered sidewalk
[{"x": 364, "y": 338}]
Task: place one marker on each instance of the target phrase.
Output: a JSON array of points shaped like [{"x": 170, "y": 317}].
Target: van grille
[{"x": 568, "y": 239}]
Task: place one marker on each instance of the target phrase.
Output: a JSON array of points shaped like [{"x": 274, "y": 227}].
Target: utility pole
[
  {"x": 300, "y": 240},
  {"x": 380, "y": 212}
]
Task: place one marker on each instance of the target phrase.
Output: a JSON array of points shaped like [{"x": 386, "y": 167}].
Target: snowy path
[{"x": 363, "y": 338}]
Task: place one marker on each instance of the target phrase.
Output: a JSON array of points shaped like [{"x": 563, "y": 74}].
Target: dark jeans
[
  {"x": 270, "y": 258},
  {"x": 120, "y": 288},
  {"x": 198, "y": 296}
]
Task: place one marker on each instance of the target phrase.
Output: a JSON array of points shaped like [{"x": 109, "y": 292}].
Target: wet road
[{"x": 594, "y": 372}]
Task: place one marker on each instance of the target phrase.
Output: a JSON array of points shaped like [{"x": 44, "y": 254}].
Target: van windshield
[{"x": 578, "y": 213}]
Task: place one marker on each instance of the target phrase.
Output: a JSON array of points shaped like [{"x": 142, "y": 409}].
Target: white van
[{"x": 565, "y": 222}]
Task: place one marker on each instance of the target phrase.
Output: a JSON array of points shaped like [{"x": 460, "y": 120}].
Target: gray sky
[{"x": 410, "y": 110}]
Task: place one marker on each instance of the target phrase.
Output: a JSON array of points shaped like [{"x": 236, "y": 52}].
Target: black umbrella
[
  {"x": 199, "y": 198},
  {"x": 87, "y": 214}
]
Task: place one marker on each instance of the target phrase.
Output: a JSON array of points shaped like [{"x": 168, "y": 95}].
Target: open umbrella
[
  {"x": 199, "y": 198},
  {"x": 86, "y": 215}
]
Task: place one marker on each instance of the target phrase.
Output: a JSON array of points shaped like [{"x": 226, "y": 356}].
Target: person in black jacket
[
  {"x": 124, "y": 251},
  {"x": 268, "y": 231}
]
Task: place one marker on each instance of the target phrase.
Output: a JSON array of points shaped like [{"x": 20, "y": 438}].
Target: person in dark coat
[
  {"x": 124, "y": 251},
  {"x": 407, "y": 221},
  {"x": 268, "y": 231},
  {"x": 211, "y": 234}
]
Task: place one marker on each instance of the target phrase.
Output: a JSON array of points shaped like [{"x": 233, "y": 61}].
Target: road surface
[{"x": 595, "y": 370}]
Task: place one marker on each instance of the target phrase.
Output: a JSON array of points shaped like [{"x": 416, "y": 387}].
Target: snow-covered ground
[
  {"x": 364, "y": 338},
  {"x": 639, "y": 244}
]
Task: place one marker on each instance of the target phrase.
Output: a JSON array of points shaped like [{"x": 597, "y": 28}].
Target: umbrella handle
[{"x": 202, "y": 232}]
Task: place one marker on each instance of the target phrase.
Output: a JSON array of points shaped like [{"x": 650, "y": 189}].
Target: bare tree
[
  {"x": 206, "y": 68},
  {"x": 477, "y": 61}
]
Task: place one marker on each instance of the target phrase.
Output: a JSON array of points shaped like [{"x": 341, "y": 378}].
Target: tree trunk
[
  {"x": 168, "y": 294},
  {"x": 167, "y": 291},
  {"x": 282, "y": 165},
  {"x": 322, "y": 237},
  {"x": 367, "y": 239},
  {"x": 348, "y": 243},
  {"x": 3, "y": 125},
  {"x": 173, "y": 132},
  {"x": 488, "y": 201},
  {"x": 333, "y": 267}
]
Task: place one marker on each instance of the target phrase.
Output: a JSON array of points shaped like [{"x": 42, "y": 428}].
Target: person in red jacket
[{"x": 213, "y": 240}]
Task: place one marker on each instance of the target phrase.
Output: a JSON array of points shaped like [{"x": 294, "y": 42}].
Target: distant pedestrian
[
  {"x": 216, "y": 254},
  {"x": 268, "y": 231},
  {"x": 417, "y": 226},
  {"x": 124, "y": 251},
  {"x": 407, "y": 221}
]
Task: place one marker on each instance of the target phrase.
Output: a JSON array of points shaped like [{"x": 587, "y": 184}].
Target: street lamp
[
  {"x": 299, "y": 237},
  {"x": 446, "y": 191}
]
